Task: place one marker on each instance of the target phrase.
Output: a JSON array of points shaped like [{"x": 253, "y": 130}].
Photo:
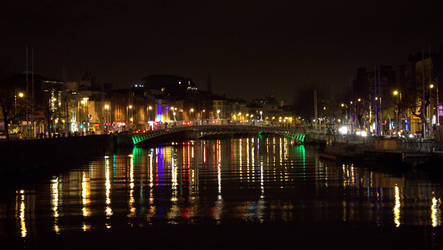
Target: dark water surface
[{"x": 258, "y": 185}]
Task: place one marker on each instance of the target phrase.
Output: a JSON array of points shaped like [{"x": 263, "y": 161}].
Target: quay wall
[{"x": 22, "y": 155}]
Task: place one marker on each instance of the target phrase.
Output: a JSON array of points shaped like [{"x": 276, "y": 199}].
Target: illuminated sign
[{"x": 440, "y": 109}]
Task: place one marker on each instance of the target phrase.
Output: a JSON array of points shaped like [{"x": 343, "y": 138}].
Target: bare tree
[{"x": 11, "y": 110}]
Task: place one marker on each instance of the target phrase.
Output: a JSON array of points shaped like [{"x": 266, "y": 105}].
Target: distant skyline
[{"x": 249, "y": 48}]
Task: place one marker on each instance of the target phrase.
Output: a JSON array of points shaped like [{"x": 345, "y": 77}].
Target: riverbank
[
  {"x": 26, "y": 156},
  {"x": 389, "y": 153}
]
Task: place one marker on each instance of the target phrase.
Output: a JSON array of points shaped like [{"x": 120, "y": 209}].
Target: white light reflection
[
  {"x": 108, "y": 209},
  {"x": 151, "y": 174},
  {"x": 435, "y": 212}
]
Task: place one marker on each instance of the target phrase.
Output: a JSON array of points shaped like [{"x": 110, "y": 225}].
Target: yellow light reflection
[
  {"x": 435, "y": 212},
  {"x": 131, "y": 188},
  {"x": 85, "y": 195},
  {"x": 397, "y": 205},
  {"x": 21, "y": 207},
  {"x": 54, "y": 203},
  {"x": 108, "y": 209}
]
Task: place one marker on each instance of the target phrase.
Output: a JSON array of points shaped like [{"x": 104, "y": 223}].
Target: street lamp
[
  {"x": 431, "y": 86},
  {"x": 107, "y": 107},
  {"x": 261, "y": 115},
  {"x": 397, "y": 93},
  {"x": 190, "y": 113},
  {"x": 20, "y": 95},
  {"x": 218, "y": 114},
  {"x": 129, "y": 119},
  {"x": 85, "y": 112}
]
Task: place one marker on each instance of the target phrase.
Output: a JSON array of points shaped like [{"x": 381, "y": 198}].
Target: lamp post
[
  {"x": 191, "y": 111},
  {"x": 344, "y": 106},
  {"x": 431, "y": 86},
  {"x": 128, "y": 119},
  {"x": 107, "y": 107},
  {"x": 149, "y": 108},
  {"x": 261, "y": 115},
  {"x": 397, "y": 93},
  {"x": 20, "y": 95},
  {"x": 218, "y": 114}
]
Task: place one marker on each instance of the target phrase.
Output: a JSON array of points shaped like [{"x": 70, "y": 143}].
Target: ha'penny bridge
[{"x": 215, "y": 130}]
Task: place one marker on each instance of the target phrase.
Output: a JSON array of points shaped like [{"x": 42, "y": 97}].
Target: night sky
[{"x": 250, "y": 48}]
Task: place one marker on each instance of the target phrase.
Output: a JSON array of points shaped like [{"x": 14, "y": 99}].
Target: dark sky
[{"x": 250, "y": 48}]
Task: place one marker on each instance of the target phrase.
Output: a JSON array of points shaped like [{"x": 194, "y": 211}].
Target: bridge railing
[{"x": 216, "y": 122}]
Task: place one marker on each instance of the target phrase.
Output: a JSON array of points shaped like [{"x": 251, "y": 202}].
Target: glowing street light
[
  {"x": 150, "y": 107},
  {"x": 395, "y": 92},
  {"x": 431, "y": 86},
  {"x": 218, "y": 114},
  {"x": 107, "y": 106},
  {"x": 21, "y": 94},
  {"x": 130, "y": 106}
]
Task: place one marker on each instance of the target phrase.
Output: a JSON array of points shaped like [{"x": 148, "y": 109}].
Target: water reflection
[
  {"x": 108, "y": 209},
  {"x": 435, "y": 212},
  {"x": 21, "y": 213},
  {"x": 245, "y": 179}
]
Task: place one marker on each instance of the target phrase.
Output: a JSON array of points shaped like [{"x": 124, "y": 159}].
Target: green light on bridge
[{"x": 260, "y": 134}]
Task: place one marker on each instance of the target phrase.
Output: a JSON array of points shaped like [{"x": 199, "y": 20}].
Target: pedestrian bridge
[{"x": 205, "y": 131}]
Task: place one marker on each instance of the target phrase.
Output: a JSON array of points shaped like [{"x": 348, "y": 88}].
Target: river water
[{"x": 229, "y": 181}]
